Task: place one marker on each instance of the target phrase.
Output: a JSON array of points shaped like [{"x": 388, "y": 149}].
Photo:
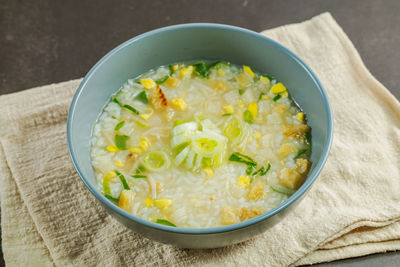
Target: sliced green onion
[
  {"x": 142, "y": 97},
  {"x": 262, "y": 171},
  {"x": 113, "y": 117},
  {"x": 165, "y": 222},
  {"x": 120, "y": 141},
  {"x": 249, "y": 170},
  {"x": 238, "y": 157},
  {"x": 282, "y": 189},
  {"x": 307, "y": 138},
  {"x": 277, "y": 97},
  {"x": 202, "y": 69},
  {"x": 156, "y": 160},
  {"x": 140, "y": 169},
  {"x": 138, "y": 176},
  {"x": 241, "y": 91},
  {"x": 247, "y": 117},
  {"x": 226, "y": 114},
  {"x": 177, "y": 122},
  {"x": 119, "y": 125},
  {"x": 162, "y": 80},
  {"x": 171, "y": 69},
  {"x": 268, "y": 77},
  {"x": 110, "y": 197},
  {"x": 131, "y": 109},
  {"x": 261, "y": 95},
  {"x": 106, "y": 186},
  {"x": 123, "y": 180},
  {"x": 219, "y": 64},
  {"x": 301, "y": 152},
  {"x": 141, "y": 124},
  {"x": 115, "y": 100}
]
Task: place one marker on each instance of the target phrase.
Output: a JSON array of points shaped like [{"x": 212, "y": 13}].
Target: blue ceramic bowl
[{"x": 190, "y": 42}]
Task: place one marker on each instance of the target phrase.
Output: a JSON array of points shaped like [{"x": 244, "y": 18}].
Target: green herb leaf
[
  {"x": 140, "y": 169},
  {"x": 277, "y": 97},
  {"x": 307, "y": 138},
  {"x": 249, "y": 170},
  {"x": 238, "y": 157},
  {"x": 227, "y": 114},
  {"x": 142, "y": 97},
  {"x": 219, "y": 64},
  {"x": 115, "y": 100},
  {"x": 131, "y": 109},
  {"x": 110, "y": 197},
  {"x": 247, "y": 117},
  {"x": 120, "y": 141},
  {"x": 241, "y": 91},
  {"x": 171, "y": 69},
  {"x": 119, "y": 125},
  {"x": 162, "y": 80},
  {"x": 301, "y": 152},
  {"x": 123, "y": 180},
  {"x": 202, "y": 69},
  {"x": 282, "y": 189},
  {"x": 165, "y": 222},
  {"x": 138, "y": 176}
]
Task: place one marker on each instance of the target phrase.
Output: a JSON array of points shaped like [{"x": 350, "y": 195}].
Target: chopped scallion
[
  {"x": 227, "y": 114},
  {"x": 171, "y": 69},
  {"x": 277, "y": 97},
  {"x": 162, "y": 80},
  {"x": 119, "y": 125},
  {"x": 131, "y": 109},
  {"x": 247, "y": 117},
  {"x": 123, "y": 180},
  {"x": 165, "y": 222},
  {"x": 241, "y": 91},
  {"x": 110, "y": 197},
  {"x": 115, "y": 100},
  {"x": 140, "y": 169},
  {"x": 202, "y": 69},
  {"x": 120, "y": 141},
  {"x": 282, "y": 190},
  {"x": 138, "y": 176},
  {"x": 301, "y": 152},
  {"x": 142, "y": 97},
  {"x": 249, "y": 170},
  {"x": 141, "y": 124},
  {"x": 238, "y": 157}
]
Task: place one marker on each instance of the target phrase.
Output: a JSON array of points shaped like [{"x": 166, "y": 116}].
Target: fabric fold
[{"x": 352, "y": 209}]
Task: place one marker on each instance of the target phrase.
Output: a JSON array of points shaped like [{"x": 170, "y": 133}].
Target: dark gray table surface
[{"x": 51, "y": 41}]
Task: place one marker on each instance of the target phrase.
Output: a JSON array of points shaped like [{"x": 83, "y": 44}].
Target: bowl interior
[{"x": 187, "y": 43}]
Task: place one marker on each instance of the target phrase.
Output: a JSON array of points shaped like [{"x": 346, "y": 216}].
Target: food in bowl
[{"x": 200, "y": 145}]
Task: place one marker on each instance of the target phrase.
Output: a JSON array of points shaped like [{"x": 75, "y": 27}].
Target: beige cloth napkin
[{"x": 49, "y": 218}]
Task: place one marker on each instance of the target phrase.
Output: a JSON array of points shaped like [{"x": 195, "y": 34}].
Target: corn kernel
[
  {"x": 146, "y": 115},
  {"x": 278, "y": 88},
  {"x": 112, "y": 149},
  {"x": 240, "y": 104},
  {"x": 149, "y": 202},
  {"x": 126, "y": 200},
  {"x": 135, "y": 150},
  {"x": 243, "y": 80},
  {"x": 300, "y": 116},
  {"x": 186, "y": 71},
  {"x": 265, "y": 80},
  {"x": 220, "y": 85},
  {"x": 171, "y": 82},
  {"x": 247, "y": 69},
  {"x": 162, "y": 203},
  {"x": 257, "y": 135},
  {"x": 253, "y": 109},
  {"x": 179, "y": 103},
  {"x": 175, "y": 67},
  {"x": 221, "y": 73},
  {"x": 119, "y": 163},
  {"x": 147, "y": 83},
  {"x": 228, "y": 109},
  {"x": 243, "y": 181},
  {"x": 209, "y": 171},
  {"x": 284, "y": 94}
]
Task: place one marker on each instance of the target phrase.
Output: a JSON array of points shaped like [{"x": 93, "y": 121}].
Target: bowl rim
[{"x": 214, "y": 230}]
